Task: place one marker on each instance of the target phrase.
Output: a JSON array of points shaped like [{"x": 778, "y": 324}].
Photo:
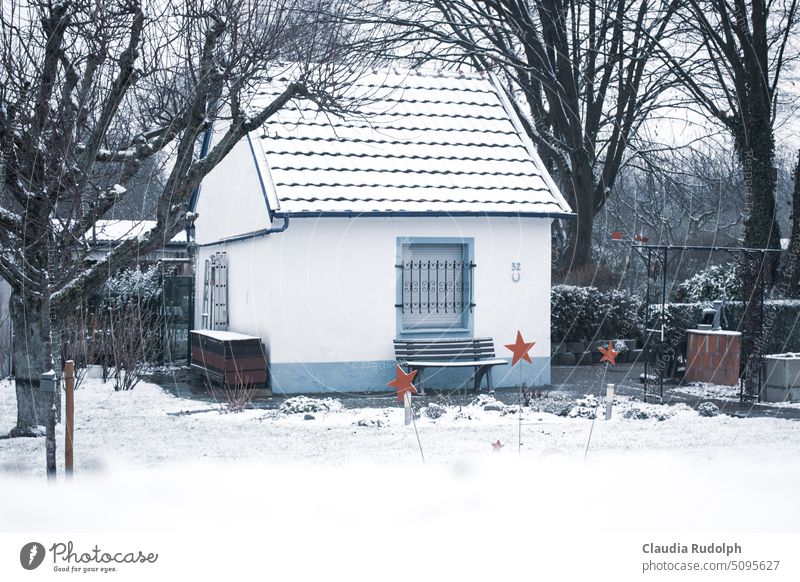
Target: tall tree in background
[
  {"x": 730, "y": 61},
  {"x": 585, "y": 70},
  {"x": 90, "y": 91}
]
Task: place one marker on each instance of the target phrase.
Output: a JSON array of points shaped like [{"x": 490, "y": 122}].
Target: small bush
[
  {"x": 233, "y": 398},
  {"x": 711, "y": 284},
  {"x": 304, "y": 404},
  {"x": 708, "y": 409},
  {"x": 434, "y": 410}
]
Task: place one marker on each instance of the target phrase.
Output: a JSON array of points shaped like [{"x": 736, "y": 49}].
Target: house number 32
[{"x": 516, "y": 272}]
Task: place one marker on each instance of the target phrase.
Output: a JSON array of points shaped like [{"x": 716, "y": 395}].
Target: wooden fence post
[{"x": 69, "y": 385}]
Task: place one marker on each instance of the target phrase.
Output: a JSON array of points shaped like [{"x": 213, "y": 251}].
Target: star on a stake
[
  {"x": 497, "y": 446},
  {"x": 402, "y": 383},
  {"x": 520, "y": 348},
  {"x": 609, "y": 354}
]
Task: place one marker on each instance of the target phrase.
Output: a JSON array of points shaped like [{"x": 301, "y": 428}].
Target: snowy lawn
[
  {"x": 342, "y": 495},
  {"x": 149, "y": 427},
  {"x": 684, "y": 455}
]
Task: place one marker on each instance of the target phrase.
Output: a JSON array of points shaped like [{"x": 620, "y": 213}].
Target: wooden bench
[{"x": 477, "y": 353}]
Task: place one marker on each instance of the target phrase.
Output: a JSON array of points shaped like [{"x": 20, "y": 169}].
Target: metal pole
[
  {"x": 663, "y": 319},
  {"x": 646, "y": 319},
  {"x": 763, "y": 339},
  {"x": 69, "y": 385}
]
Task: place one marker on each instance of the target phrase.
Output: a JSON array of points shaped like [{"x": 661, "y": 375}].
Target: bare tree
[
  {"x": 585, "y": 73},
  {"x": 89, "y": 91},
  {"x": 730, "y": 61},
  {"x": 679, "y": 196}
]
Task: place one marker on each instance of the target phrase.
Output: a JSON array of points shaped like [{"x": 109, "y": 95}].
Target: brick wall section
[{"x": 713, "y": 357}]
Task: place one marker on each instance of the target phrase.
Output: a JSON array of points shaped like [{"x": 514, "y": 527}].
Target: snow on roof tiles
[
  {"x": 421, "y": 142},
  {"x": 116, "y": 230}
]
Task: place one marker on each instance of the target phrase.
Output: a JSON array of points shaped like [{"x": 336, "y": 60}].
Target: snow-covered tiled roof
[
  {"x": 422, "y": 142},
  {"x": 108, "y": 231}
]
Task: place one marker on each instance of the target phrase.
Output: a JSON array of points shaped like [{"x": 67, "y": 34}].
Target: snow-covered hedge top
[
  {"x": 712, "y": 283},
  {"x": 130, "y": 284}
]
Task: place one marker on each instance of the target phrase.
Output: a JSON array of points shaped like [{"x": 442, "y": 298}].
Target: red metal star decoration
[
  {"x": 497, "y": 446},
  {"x": 609, "y": 354},
  {"x": 402, "y": 383},
  {"x": 520, "y": 348}
]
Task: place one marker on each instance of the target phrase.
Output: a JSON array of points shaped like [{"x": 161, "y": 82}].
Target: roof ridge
[{"x": 431, "y": 72}]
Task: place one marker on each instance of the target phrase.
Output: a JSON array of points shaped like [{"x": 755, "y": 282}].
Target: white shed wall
[
  {"x": 323, "y": 292},
  {"x": 232, "y": 200}
]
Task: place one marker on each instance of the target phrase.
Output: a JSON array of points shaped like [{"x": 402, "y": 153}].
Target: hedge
[
  {"x": 781, "y": 321},
  {"x": 587, "y": 314}
]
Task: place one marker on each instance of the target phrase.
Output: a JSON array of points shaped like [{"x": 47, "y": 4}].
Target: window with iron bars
[{"x": 436, "y": 287}]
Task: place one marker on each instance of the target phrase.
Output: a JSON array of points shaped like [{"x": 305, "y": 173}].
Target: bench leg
[
  {"x": 476, "y": 378},
  {"x": 489, "y": 380},
  {"x": 418, "y": 383}
]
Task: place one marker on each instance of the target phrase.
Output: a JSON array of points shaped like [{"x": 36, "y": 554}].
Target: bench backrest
[{"x": 444, "y": 350}]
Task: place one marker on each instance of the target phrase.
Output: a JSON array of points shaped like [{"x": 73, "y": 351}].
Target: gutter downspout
[{"x": 250, "y": 235}]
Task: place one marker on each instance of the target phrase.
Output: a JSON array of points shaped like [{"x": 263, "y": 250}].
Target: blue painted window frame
[{"x": 467, "y": 330}]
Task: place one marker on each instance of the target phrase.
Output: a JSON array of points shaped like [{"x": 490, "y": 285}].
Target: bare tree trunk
[
  {"x": 579, "y": 231},
  {"x": 31, "y": 349},
  {"x": 579, "y": 251},
  {"x": 790, "y": 273},
  {"x": 756, "y": 148}
]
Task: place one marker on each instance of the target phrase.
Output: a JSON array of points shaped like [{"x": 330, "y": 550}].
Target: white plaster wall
[
  {"x": 324, "y": 290},
  {"x": 231, "y": 199},
  {"x": 249, "y": 286}
]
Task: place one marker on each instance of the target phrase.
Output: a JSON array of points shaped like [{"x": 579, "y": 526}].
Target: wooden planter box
[{"x": 229, "y": 358}]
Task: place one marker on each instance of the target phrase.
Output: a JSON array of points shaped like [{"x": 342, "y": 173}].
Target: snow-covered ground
[
  {"x": 149, "y": 427},
  {"x": 726, "y": 393},
  {"x": 345, "y": 495}
]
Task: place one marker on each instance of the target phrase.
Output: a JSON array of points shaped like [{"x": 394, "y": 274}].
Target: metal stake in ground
[
  {"x": 520, "y": 349},
  {"x": 610, "y": 357},
  {"x": 405, "y": 388}
]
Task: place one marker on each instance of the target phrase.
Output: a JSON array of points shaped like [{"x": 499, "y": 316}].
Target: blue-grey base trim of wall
[{"x": 372, "y": 376}]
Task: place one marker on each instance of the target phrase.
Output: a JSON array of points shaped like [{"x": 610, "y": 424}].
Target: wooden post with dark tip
[{"x": 69, "y": 385}]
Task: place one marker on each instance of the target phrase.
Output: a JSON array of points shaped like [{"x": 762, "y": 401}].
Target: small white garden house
[{"x": 427, "y": 217}]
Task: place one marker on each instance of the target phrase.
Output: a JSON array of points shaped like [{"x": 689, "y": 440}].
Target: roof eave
[{"x": 420, "y": 214}]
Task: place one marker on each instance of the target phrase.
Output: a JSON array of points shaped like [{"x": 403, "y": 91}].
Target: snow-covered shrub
[
  {"x": 434, "y": 410},
  {"x": 585, "y": 407},
  {"x": 558, "y": 404},
  {"x": 482, "y": 400},
  {"x": 708, "y": 409},
  {"x": 304, "y": 404},
  {"x": 711, "y": 284},
  {"x": 137, "y": 284},
  {"x": 635, "y": 413},
  {"x": 587, "y": 313}
]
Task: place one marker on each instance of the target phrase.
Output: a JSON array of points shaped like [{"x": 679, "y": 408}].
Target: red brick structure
[{"x": 713, "y": 356}]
